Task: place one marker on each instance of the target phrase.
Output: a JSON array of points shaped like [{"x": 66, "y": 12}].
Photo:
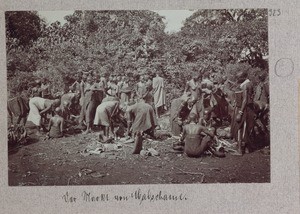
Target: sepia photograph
[{"x": 115, "y": 97}]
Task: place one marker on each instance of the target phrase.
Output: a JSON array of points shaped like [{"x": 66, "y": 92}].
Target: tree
[
  {"x": 23, "y": 27},
  {"x": 234, "y": 34}
]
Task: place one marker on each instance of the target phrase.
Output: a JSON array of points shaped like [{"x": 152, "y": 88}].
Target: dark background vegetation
[{"x": 134, "y": 42}]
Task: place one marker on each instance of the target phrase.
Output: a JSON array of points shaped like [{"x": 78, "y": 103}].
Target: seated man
[
  {"x": 56, "y": 125},
  {"x": 198, "y": 139}
]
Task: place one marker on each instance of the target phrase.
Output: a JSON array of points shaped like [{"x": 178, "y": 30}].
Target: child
[{"x": 56, "y": 125}]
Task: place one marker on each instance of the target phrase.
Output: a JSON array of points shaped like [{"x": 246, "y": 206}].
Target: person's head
[
  {"x": 119, "y": 78},
  {"x": 191, "y": 101},
  {"x": 125, "y": 79},
  {"x": 44, "y": 80},
  {"x": 114, "y": 79},
  {"x": 158, "y": 73},
  {"x": 97, "y": 78},
  {"x": 262, "y": 77},
  {"x": 94, "y": 72},
  {"x": 206, "y": 75},
  {"x": 195, "y": 77},
  {"x": 78, "y": 77},
  {"x": 193, "y": 118},
  {"x": 56, "y": 103},
  {"x": 57, "y": 111},
  {"x": 123, "y": 107},
  {"x": 221, "y": 80},
  {"x": 146, "y": 77},
  {"x": 89, "y": 80},
  {"x": 38, "y": 83},
  {"x": 84, "y": 77}
]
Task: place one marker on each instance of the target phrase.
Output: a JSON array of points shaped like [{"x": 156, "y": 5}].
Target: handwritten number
[{"x": 274, "y": 12}]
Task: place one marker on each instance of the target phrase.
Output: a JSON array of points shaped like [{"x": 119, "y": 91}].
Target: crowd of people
[{"x": 108, "y": 103}]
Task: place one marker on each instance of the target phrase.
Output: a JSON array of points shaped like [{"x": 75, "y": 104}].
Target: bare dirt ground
[{"x": 65, "y": 161}]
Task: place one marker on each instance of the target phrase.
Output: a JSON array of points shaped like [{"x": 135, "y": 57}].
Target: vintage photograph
[{"x": 115, "y": 97}]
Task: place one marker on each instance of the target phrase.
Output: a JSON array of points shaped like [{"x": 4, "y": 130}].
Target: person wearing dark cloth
[
  {"x": 147, "y": 96},
  {"x": 112, "y": 90},
  {"x": 45, "y": 89},
  {"x": 242, "y": 123},
  {"x": 56, "y": 125},
  {"x": 140, "y": 119},
  {"x": 197, "y": 139},
  {"x": 220, "y": 109},
  {"x": 92, "y": 98},
  {"x": 75, "y": 87},
  {"x": 36, "y": 91},
  {"x": 18, "y": 106},
  {"x": 105, "y": 113},
  {"x": 180, "y": 110},
  {"x": 262, "y": 91},
  {"x": 261, "y": 104}
]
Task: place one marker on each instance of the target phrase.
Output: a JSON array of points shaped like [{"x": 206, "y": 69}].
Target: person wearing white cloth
[
  {"x": 159, "y": 93},
  {"x": 39, "y": 107}
]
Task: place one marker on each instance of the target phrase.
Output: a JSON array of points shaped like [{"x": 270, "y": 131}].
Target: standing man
[
  {"x": 261, "y": 102},
  {"x": 82, "y": 89},
  {"x": 262, "y": 91},
  {"x": 242, "y": 123},
  {"x": 45, "y": 88},
  {"x": 36, "y": 91},
  {"x": 148, "y": 96},
  {"x": 159, "y": 93},
  {"x": 75, "y": 87},
  {"x": 193, "y": 86},
  {"x": 112, "y": 90},
  {"x": 125, "y": 91},
  {"x": 93, "y": 96}
]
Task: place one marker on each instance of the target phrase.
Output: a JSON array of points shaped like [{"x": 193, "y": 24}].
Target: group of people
[
  {"x": 109, "y": 102},
  {"x": 104, "y": 102},
  {"x": 207, "y": 103}
]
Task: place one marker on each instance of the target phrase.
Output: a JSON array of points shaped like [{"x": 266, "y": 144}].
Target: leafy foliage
[{"x": 134, "y": 43}]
